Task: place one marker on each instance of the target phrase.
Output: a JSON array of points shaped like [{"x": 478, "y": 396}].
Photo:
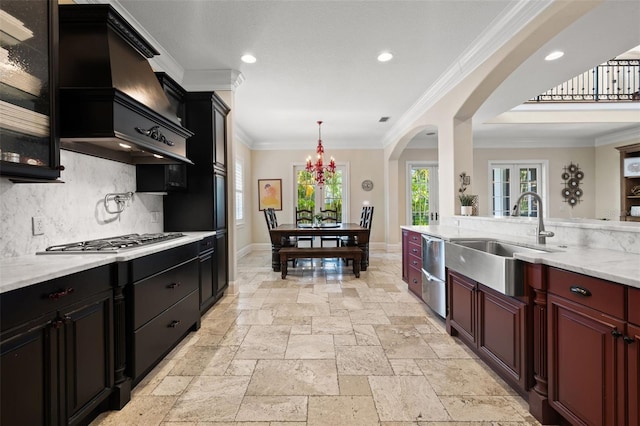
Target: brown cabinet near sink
[
  {"x": 492, "y": 325},
  {"x": 412, "y": 261},
  {"x": 594, "y": 332}
]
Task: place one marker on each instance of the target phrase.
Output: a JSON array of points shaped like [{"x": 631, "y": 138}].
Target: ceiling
[{"x": 316, "y": 60}]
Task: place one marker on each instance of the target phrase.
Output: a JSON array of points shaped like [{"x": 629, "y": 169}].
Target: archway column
[{"x": 455, "y": 155}]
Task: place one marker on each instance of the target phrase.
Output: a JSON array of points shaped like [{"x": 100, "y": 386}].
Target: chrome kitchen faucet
[{"x": 540, "y": 232}]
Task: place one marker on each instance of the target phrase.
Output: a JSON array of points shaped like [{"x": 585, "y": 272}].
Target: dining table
[{"x": 281, "y": 236}]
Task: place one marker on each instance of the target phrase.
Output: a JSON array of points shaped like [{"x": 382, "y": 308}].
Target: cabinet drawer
[
  {"x": 155, "y": 294},
  {"x": 159, "y": 335},
  {"x": 414, "y": 237},
  {"x": 415, "y": 281},
  {"x": 633, "y": 308},
  {"x": 415, "y": 249},
  {"x": 595, "y": 293},
  {"x": 21, "y": 305},
  {"x": 415, "y": 262}
]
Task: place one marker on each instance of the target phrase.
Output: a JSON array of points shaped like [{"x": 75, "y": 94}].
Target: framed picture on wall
[{"x": 270, "y": 194}]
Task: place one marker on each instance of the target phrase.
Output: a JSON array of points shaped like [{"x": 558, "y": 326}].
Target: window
[
  {"x": 239, "y": 191},
  {"x": 333, "y": 194},
  {"x": 509, "y": 180},
  {"x": 422, "y": 193}
]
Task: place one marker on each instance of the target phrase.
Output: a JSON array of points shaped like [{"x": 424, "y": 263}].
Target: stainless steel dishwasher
[{"x": 434, "y": 288}]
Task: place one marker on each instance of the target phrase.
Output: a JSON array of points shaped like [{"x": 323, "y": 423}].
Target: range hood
[{"x": 111, "y": 103}]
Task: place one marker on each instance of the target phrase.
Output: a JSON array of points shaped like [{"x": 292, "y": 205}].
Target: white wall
[
  {"x": 74, "y": 210},
  {"x": 243, "y": 231}
]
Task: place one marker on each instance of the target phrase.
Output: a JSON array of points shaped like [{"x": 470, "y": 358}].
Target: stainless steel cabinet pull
[
  {"x": 581, "y": 291},
  {"x": 415, "y": 263},
  {"x": 414, "y": 250},
  {"x": 174, "y": 324},
  {"x": 58, "y": 294}
]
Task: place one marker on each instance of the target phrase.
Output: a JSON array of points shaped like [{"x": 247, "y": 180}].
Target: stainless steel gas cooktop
[{"x": 112, "y": 244}]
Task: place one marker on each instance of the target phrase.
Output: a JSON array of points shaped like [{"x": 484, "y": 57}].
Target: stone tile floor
[{"x": 321, "y": 348}]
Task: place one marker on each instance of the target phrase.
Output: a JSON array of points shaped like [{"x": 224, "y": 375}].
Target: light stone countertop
[
  {"x": 611, "y": 265},
  {"x": 23, "y": 271}
]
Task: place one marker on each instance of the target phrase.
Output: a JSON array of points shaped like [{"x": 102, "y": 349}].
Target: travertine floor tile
[
  {"x": 403, "y": 341},
  {"x": 172, "y": 385},
  {"x": 362, "y": 361},
  {"x": 406, "y": 398},
  {"x": 354, "y": 385},
  {"x": 481, "y": 408},
  {"x": 331, "y": 325},
  {"x": 461, "y": 377},
  {"x": 294, "y": 377},
  {"x": 273, "y": 408},
  {"x": 310, "y": 347},
  {"x": 342, "y": 410}
]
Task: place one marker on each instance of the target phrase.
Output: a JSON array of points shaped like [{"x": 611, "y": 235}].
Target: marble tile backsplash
[
  {"x": 609, "y": 235},
  {"x": 74, "y": 210}
]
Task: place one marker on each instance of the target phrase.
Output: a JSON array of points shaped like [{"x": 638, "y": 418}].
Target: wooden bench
[{"x": 288, "y": 253}]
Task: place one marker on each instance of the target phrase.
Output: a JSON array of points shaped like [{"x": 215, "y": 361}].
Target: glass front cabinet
[{"x": 29, "y": 142}]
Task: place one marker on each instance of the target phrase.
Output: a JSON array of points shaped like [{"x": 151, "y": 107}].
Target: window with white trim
[
  {"x": 239, "y": 191},
  {"x": 507, "y": 180}
]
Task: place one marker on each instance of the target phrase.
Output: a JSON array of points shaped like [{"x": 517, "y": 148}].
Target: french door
[
  {"x": 332, "y": 195},
  {"x": 508, "y": 181},
  {"x": 422, "y": 193}
]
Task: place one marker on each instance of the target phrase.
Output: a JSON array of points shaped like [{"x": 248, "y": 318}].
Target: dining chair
[
  {"x": 366, "y": 218},
  {"x": 272, "y": 222},
  {"x": 329, "y": 216},
  {"x": 304, "y": 216}
]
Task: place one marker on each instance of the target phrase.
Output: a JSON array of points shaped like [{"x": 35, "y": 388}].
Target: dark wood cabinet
[
  {"x": 162, "y": 299},
  {"x": 633, "y": 373},
  {"x": 203, "y": 206},
  {"x": 589, "y": 355},
  {"x": 57, "y": 350},
  {"x": 412, "y": 261},
  {"x": 29, "y": 139},
  {"x": 493, "y": 325}
]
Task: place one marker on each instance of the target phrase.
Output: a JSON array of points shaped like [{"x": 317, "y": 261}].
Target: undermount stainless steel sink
[
  {"x": 489, "y": 262},
  {"x": 498, "y": 248}
]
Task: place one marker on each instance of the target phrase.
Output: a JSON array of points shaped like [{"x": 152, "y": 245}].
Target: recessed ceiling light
[
  {"x": 248, "y": 59},
  {"x": 385, "y": 56},
  {"x": 158, "y": 156},
  {"x": 124, "y": 145},
  {"x": 554, "y": 55},
  {"x": 430, "y": 133}
]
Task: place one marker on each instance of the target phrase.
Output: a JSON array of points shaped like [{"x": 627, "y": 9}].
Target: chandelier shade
[{"x": 320, "y": 172}]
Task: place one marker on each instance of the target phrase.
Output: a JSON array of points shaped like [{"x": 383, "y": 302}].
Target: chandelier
[{"x": 318, "y": 170}]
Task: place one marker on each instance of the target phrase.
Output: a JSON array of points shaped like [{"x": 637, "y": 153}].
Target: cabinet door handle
[
  {"x": 415, "y": 281},
  {"x": 581, "y": 291},
  {"x": 174, "y": 285},
  {"x": 615, "y": 333},
  {"x": 58, "y": 294},
  {"x": 174, "y": 324},
  {"x": 414, "y": 250},
  {"x": 628, "y": 340},
  {"x": 415, "y": 262}
]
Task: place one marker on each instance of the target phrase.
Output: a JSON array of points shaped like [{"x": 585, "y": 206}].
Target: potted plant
[{"x": 466, "y": 200}]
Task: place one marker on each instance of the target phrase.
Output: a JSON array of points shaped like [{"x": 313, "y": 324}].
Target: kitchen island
[{"x": 578, "y": 303}]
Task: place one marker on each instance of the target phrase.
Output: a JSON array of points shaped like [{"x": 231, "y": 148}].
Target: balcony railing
[{"x": 618, "y": 80}]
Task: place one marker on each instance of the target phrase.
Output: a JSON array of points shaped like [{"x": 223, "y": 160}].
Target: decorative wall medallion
[
  {"x": 367, "y": 185},
  {"x": 572, "y": 176}
]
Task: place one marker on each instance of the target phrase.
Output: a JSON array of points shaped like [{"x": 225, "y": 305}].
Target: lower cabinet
[
  {"x": 493, "y": 325},
  {"x": 592, "y": 351},
  {"x": 56, "y": 350},
  {"x": 163, "y": 305},
  {"x": 412, "y": 261}
]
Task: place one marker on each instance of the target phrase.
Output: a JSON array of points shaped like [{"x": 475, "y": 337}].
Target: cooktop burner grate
[{"x": 111, "y": 244}]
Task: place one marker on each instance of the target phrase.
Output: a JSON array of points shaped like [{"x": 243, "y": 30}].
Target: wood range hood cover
[{"x": 109, "y": 94}]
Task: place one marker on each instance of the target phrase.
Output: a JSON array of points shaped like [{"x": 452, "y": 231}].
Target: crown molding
[
  {"x": 503, "y": 29},
  {"x": 239, "y": 135},
  {"x": 626, "y": 135},
  {"x": 310, "y": 147}
]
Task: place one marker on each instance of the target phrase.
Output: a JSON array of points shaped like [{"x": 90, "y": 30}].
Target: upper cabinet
[
  {"x": 29, "y": 140},
  {"x": 630, "y": 182}
]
